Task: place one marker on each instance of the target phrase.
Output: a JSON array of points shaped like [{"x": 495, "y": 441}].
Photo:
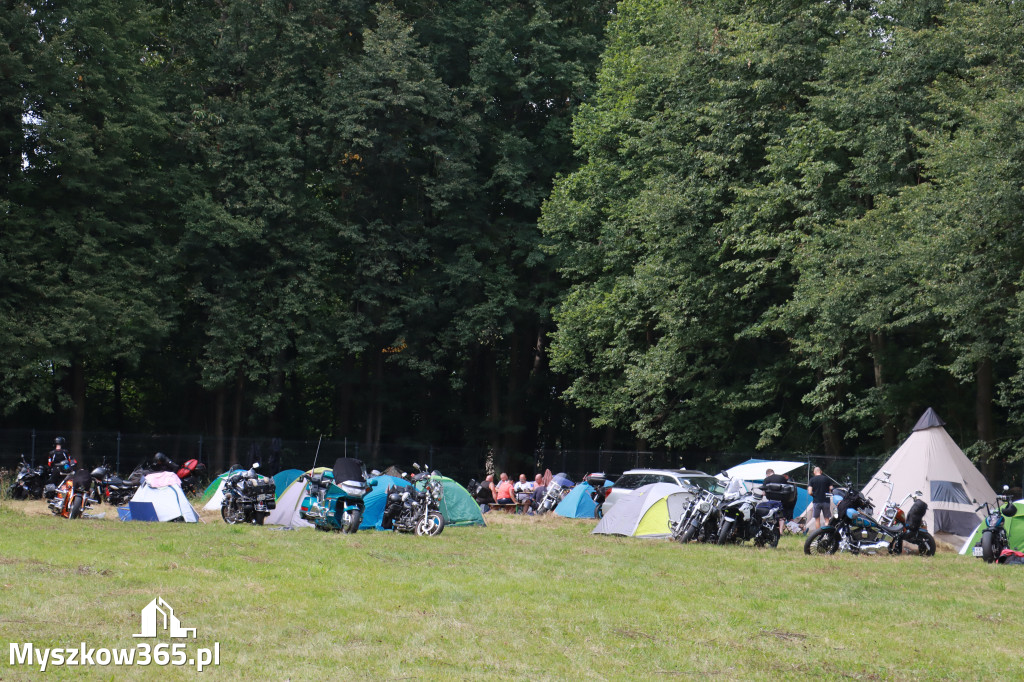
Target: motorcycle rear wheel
[
  {"x": 824, "y": 540},
  {"x": 433, "y": 524},
  {"x": 925, "y": 543}
]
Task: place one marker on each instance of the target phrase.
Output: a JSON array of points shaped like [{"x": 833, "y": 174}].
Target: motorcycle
[
  {"x": 189, "y": 473},
  {"x": 597, "y": 491},
  {"x": 558, "y": 488},
  {"x": 28, "y": 481},
  {"x": 415, "y": 508},
  {"x": 700, "y": 519},
  {"x": 749, "y": 516},
  {"x": 993, "y": 536},
  {"x": 852, "y": 528},
  {"x": 111, "y": 488},
  {"x": 248, "y": 497},
  {"x": 71, "y": 498},
  {"x": 341, "y": 510}
]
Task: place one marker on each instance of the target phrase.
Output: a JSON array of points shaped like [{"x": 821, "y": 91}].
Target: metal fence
[{"x": 125, "y": 451}]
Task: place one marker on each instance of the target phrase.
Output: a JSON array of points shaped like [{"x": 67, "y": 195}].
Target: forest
[{"x": 716, "y": 226}]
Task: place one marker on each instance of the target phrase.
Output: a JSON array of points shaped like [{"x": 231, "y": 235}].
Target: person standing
[
  {"x": 771, "y": 477},
  {"x": 819, "y": 488}
]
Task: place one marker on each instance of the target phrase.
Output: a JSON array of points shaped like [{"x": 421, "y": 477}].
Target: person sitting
[
  {"x": 504, "y": 494},
  {"x": 539, "y": 491},
  {"x": 485, "y": 494},
  {"x": 524, "y": 492}
]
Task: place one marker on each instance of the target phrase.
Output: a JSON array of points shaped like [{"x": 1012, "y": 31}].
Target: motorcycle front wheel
[
  {"x": 724, "y": 531},
  {"x": 988, "y": 547},
  {"x": 688, "y": 533},
  {"x": 354, "y": 518},
  {"x": 76, "y": 507},
  {"x": 824, "y": 540},
  {"x": 230, "y": 512},
  {"x": 432, "y": 525}
]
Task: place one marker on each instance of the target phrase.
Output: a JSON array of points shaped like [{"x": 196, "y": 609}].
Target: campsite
[{"x": 523, "y": 598}]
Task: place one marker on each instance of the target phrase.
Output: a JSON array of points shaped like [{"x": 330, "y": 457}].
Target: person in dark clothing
[
  {"x": 819, "y": 488},
  {"x": 771, "y": 477},
  {"x": 60, "y": 462}
]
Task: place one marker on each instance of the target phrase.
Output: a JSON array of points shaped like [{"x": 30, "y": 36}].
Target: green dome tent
[{"x": 458, "y": 507}]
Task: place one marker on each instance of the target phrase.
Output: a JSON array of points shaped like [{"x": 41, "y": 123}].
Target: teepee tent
[
  {"x": 930, "y": 461},
  {"x": 645, "y": 512},
  {"x": 160, "y": 498}
]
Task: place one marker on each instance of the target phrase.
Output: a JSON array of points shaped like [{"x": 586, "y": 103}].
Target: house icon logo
[{"x": 158, "y": 615}]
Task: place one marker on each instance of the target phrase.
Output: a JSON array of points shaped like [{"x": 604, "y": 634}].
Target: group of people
[
  {"x": 526, "y": 493},
  {"x": 819, "y": 488}
]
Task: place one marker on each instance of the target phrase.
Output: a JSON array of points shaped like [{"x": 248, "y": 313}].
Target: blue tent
[
  {"x": 374, "y": 501},
  {"x": 283, "y": 479},
  {"x": 578, "y": 504}
]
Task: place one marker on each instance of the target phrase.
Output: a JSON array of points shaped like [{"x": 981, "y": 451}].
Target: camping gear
[
  {"x": 457, "y": 506},
  {"x": 578, "y": 503},
  {"x": 415, "y": 508},
  {"x": 645, "y": 512},
  {"x": 1011, "y": 556},
  {"x": 160, "y": 498},
  {"x": 1003, "y": 528},
  {"x": 930, "y": 461},
  {"x": 283, "y": 479},
  {"x": 247, "y": 497},
  {"x": 854, "y": 530}
]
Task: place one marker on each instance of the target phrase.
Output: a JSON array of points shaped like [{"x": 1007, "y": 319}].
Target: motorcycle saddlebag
[
  {"x": 764, "y": 508},
  {"x": 916, "y": 514},
  {"x": 187, "y": 468}
]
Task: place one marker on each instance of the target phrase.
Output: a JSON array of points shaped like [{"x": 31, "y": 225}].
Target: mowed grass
[{"x": 523, "y": 599}]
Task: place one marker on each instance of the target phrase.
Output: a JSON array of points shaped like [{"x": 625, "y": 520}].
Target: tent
[
  {"x": 753, "y": 471},
  {"x": 458, "y": 507},
  {"x": 160, "y": 498},
  {"x": 214, "y": 492},
  {"x": 374, "y": 501},
  {"x": 578, "y": 504},
  {"x": 283, "y": 479},
  {"x": 291, "y": 499},
  {"x": 931, "y": 462},
  {"x": 1014, "y": 531},
  {"x": 645, "y": 512}
]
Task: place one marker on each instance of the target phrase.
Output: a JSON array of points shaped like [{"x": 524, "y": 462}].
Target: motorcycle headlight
[{"x": 704, "y": 507}]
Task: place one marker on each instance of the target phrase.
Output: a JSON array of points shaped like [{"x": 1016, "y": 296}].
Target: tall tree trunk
[
  {"x": 984, "y": 391},
  {"x": 878, "y": 343},
  {"x": 219, "y": 398},
  {"x": 236, "y": 425},
  {"x": 78, "y": 409}
]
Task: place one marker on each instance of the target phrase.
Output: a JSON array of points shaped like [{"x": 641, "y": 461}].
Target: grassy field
[{"x": 523, "y": 599}]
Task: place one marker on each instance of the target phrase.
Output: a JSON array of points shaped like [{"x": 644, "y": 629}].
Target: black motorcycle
[
  {"x": 852, "y": 529},
  {"x": 750, "y": 517},
  {"x": 597, "y": 491},
  {"x": 248, "y": 498},
  {"x": 110, "y": 488},
  {"x": 993, "y": 536},
  {"x": 28, "y": 481},
  {"x": 700, "y": 519},
  {"x": 415, "y": 508}
]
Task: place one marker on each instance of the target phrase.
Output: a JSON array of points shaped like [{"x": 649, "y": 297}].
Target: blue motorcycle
[
  {"x": 337, "y": 496},
  {"x": 993, "y": 537}
]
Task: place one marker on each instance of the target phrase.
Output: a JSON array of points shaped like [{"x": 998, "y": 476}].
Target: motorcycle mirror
[
  {"x": 1006, "y": 487},
  {"x": 415, "y": 466}
]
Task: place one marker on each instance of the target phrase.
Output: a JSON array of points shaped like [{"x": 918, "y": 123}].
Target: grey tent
[{"x": 931, "y": 462}]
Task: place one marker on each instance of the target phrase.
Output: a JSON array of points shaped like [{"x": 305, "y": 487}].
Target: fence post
[
  {"x": 33, "y": 447},
  {"x": 117, "y": 460}
]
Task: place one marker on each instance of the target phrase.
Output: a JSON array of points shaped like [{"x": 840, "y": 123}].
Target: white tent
[
  {"x": 290, "y": 502},
  {"x": 645, "y": 512},
  {"x": 160, "y": 498},
  {"x": 931, "y": 462}
]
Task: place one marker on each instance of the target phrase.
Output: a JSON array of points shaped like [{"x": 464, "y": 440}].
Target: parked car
[{"x": 636, "y": 478}]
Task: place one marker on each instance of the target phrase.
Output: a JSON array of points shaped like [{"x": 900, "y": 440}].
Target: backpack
[{"x": 916, "y": 515}]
